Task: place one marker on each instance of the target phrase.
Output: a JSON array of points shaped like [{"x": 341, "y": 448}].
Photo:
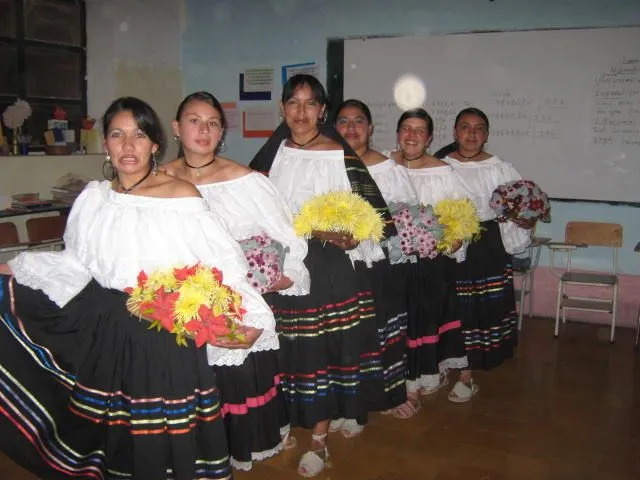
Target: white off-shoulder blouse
[
  {"x": 434, "y": 184},
  {"x": 482, "y": 178},
  {"x": 111, "y": 237},
  {"x": 251, "y": 205},
  {"x": 394, "y": 182},
  {"x": 300, "y": 175}
]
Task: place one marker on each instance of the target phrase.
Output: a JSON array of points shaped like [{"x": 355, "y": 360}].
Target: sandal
[
  {"x": 351, "y": 428},
  {"x": 287, "y": 440},
  {"x": 408, "y": 409},
  {"x": 336, "y": 424},
  {"x": 462, "y": 393},
  {"x": 444, "y": 381},
  {"x": 314, "y": 461}
]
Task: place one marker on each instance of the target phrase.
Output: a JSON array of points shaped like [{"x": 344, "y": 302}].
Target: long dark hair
[
  {"x": 471, "y": 111},
  {"x": 360, "y": 105},
  {"x": 146, "y": 118},
  {"x": 270, "y": 148},
  {"x": 205, "y": 97},
  {"x": 300, "y": 80},
  {"x": 420, "y": 113}
]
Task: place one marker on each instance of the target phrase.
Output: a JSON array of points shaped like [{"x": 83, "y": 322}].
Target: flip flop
[
  {"x": 407, "y": 410},
  {"x": 462, "y": 393}
]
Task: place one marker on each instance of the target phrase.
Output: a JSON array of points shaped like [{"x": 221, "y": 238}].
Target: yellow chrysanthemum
[
  {"x": 339, "y": 212},
  {"x": 219, "y": 297},
  {"x": 162, "y": 279},
  {"x": 201, "y": 281},
  {"x": 140, "y": 295},
  {"x": 459, "y": 219},
  {"x": 189, "y": 301}
]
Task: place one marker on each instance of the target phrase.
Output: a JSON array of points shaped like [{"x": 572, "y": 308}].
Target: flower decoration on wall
[{"x": 15, "y": 115}]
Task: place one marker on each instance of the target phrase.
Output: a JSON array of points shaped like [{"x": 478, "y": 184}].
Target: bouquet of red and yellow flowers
[{"x": 189, "y": 302}]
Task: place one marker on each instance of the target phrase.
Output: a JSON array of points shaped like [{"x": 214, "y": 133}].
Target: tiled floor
[{"x": 561, "y": 410}]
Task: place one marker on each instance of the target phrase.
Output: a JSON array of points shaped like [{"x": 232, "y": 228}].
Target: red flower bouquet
[
  {"x": 190, "y": 302},
  {"x": 520, "y": 200}
]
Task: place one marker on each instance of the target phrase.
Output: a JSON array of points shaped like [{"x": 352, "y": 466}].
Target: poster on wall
[
  {"x": 288, "y": 71},
  {"x": 231, "y": 116},
  {"x": 258, "y": 79},
  {"x": 259, "y": 121},
  {"x": 255, "y": 84}
]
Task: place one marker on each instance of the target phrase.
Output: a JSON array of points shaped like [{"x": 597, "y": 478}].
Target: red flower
[
  {"x": 182, "y": 274},
  {"x": 142, "y": 278},
  {"x": 163, "y": 306},
  {"x": 208, "y": 327},
  {"x": 217, "y": 274}
]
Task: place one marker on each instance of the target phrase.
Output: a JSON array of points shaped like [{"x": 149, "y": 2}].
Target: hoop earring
[
  {"x": 108, "y": 171},
  {"x": 323, "y": 120},
  {"x": 155, "y": 163},
  {"x": 222, "y": 147},
  {"x": 176, "y": 138}
]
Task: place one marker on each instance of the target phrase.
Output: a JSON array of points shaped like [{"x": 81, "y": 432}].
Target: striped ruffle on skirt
[
  {"x": 383, "y": 362},
  {"x": 321, "y": 339},
  {"x": 253, "y": 408},
  {"x": 90, "y": 392},
  {"x": 486, "y": 300},
  {"x": 434, "y": 334}
]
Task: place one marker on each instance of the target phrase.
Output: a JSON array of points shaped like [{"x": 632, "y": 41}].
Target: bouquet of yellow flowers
[
  {"x": 339, "y": 212},
  {"x": 460, "y": 221},
  {"x": 189, "y": 302}
]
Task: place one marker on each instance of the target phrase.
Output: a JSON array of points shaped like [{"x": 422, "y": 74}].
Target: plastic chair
[
  {"x": 46, "y": 232},
  {"x": 581, "y": 235},
  {"x": 524, "y": 266},
  {"x": 8, "y": 234},
  {"x": 9, "y": 241}
]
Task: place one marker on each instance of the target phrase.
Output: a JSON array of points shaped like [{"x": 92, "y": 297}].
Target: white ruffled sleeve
[
  {"x": 368, "y": 252},
  {"x": 215, "y": 247},
  {"x": 61, "y": 275},
  {"x": 514, "y": 238},
  {"x": 460, "y": 255},
  {"x": 278, "y": 224}
]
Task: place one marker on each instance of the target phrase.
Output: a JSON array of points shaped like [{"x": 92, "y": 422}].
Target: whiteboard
[{"x": 564, "y": 105}]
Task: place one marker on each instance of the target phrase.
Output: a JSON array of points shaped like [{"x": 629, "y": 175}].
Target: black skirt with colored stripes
[
  {"x": 485, "y": 300},
  {"x": 434, "y": 333},
  {"x": 253, "y": 408},
  {"x": 383, "y": 362},
  {"x": 88, "y": 391},
  {"x": 321, "y": 339}
]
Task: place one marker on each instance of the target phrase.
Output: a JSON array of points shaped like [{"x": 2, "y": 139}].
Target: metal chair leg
[
  {"x": 638, "y": 329},
  {"x": 613, "y": 313},
  {"x": 523, "y": 293},
  {"x": 557, "y": 328},
  {"x": 531, "y": 279}
]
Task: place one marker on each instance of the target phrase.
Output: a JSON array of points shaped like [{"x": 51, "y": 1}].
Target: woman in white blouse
[
  {"x": 388, "y": 278},
  {"x": 486, "y": 301},
  {"x": 249, "y": 205},
  {"x": 91, "y": 392},
  {"x": 435, "y": 332},
  {"x": 320, "y": 333}
]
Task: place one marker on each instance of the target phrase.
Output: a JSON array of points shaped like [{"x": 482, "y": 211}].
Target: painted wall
[
  {"x": 133, "y": 48},
  {"x": 224, "y": 37}
]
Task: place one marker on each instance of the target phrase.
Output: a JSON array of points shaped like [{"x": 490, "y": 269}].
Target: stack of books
[
  {"x": 68, "y": 192},
  {"x": 29, "y": 201}
]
